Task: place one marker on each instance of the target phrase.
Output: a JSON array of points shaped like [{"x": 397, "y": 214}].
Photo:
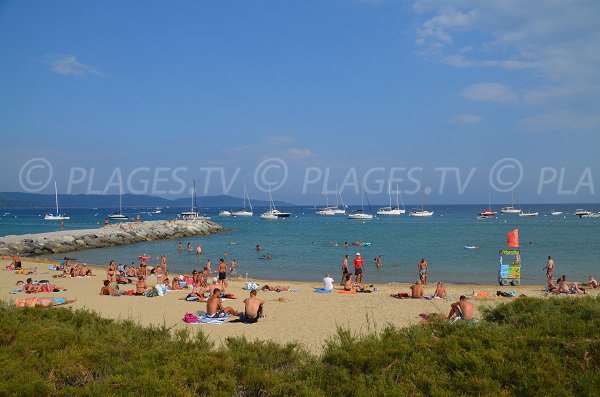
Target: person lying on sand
[
  {"x": 551, "y": 286},
  {"x": 576, "y": 289},
  {"x": 463, "y": 309},
  {"x": 276, "y": 288},
  {"x": 43, "y": 302},
  {"x": 30, "y": 287},
  {"x": 440, "y": 290},
  {"x": 254, "y": 308},
  {"x": 428, "y": 318},
  {"x": 107, "y": 290},
  {"x": 417, "y": 290},
  {"x": 214, "y": 307},
  {"x": 592, "y": 282}
]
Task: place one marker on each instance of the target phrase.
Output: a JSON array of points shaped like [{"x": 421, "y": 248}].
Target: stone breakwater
[{"x": 115, "y": 234}]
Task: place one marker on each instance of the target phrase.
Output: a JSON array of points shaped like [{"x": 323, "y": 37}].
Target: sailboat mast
[{"x": 56, "y": 197}]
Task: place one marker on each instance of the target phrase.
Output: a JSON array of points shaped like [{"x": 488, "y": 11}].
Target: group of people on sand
[
  {"x": 73, "y": 270},
  {"x": 253, "y": 307},
  {"x": 562, "y": 286}
]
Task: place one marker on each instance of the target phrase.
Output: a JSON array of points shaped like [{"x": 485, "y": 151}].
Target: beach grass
[{"x": 527, "y": 347}]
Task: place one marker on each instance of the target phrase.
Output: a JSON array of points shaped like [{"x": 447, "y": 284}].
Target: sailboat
[
  {"x": 244, "y": 211},
  {"x": 193, "y": 214},
  {"x": 392, "y": 210},
  {"x": 273, "y": 213},
  {"x": 118, "y": 216},
  {"x": 422, "y": 213},
  {"x": 488, "y": 213},
  {"x": 58, "y": 216},
  {"x": 530, "y": 213},
  {"x": 360, "y": 214},
  {"x": 337, "y": 209},
  {"x": 327, "y": 211},
  {"x": 511, "y": 208}
]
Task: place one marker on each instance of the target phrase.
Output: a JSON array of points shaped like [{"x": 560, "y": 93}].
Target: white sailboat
[
  {"x": 337, "y": 209},
  {"x": 360, "y": 214},
  {"x": 243, "y": 211},
  {"x": 392, "y": 210},
  {"x": 327, "y": 211},
  {"x": 273, "y": 213},
  {"x": 511, "y": 208},
  {"x": 118, "y": 216},
  {"x": 530, "y": 213},
  {"x": 421, "y": 213},
  {"x": 193, "y": 214},
  {"x": 57, "y": 216}
]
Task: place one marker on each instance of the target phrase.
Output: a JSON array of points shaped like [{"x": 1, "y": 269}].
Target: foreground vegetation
[{"x": 526, "y": 347}]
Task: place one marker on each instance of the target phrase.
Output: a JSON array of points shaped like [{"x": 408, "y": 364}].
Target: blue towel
[{"x": 321, "y": 291}]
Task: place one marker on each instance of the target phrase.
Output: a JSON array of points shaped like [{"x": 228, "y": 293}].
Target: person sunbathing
[
  {"x": 463, "y": 309},
  {"x": 592, "y": 282},
  {"x": 215, "y": 308},
  {"x": 563, "y": 285},
  {"x": 576, "y": 289},
  {"x": 42, "y": 302},
  {"x": 107, "y": 290},
  {"x": 254, "y": 308},
  {"x": 29, "y": 287},
  {"x": 440, "y": 290},
  {"x": 276, "y": 288},
  {"x": 348, "y": 286},
  {"x": 417, "y": 290},
  {"x": 132, "y": 271},
  {"x": 175, "y": 284},
  {"x": 551, "y": 286},
  {"x": 140, "y": 286}
]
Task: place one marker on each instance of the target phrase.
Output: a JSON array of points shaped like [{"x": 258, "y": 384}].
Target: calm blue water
[{"x": 301, "y": 250}]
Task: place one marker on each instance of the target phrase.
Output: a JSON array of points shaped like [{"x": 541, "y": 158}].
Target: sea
[{"x": 307, "y": 246}]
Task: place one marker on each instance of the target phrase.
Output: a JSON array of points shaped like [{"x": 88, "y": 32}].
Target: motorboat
[
  {"x": 528, "y": 213},
  {"x": 243, "y": 211},
  {"x": 555, "y": 213},
  {"x": 225, "y": 213},
  {"x": 389, "y": 210},
  {"x": 488, "y": 213},
  {"x": 273, "y": 213},
  {"x": 581, "y": 212},
  {"x": 56, "y": 216},
  {"x": 592, "y": 215}
]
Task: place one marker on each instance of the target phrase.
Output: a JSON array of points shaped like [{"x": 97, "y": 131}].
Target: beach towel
[
  {"x": 205, "y": 319},
  {"x": 322, "y": 291},
  {"x": 351, "y": 292},
  {"x": 250, "y": 286},
  {"x": 400, "y": 295}
]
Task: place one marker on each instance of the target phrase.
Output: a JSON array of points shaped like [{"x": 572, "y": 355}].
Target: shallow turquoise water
[{"x": 301, "y": 248}]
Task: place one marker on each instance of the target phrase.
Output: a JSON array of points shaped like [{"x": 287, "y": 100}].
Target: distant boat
[
  {"x": 528, "y": 213},
  {"x": 422, "y": 213},
  {"x": 193, "y": 214},
  {"x": 488, "y": 213},
  {"x": 556, "y": 213},
  {"x": 243, "y": 211},
  {"x": 392, "y": 210},
  {"x": 511, "y": 208},
  {"x": 273, "y": 213},
  {"x": 225, "y": 213},
  {"x": 360, "y": 214},
  {"x": 581, "y": 213},
  {"x": 337, "y": 209},
  {"x": 591, "y": 215},
  {"x": 156, "y": 211},
  {"x": 118, "y": 216},
  {"x": 57, "y": 216},
  {"x": 331, "y": 210}
]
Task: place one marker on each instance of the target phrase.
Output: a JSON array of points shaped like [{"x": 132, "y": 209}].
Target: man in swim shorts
[
  {"x": 423, "y": 266},
  {"x": 463, "y": 309},
  {"x": 359, "y": 264},
  {"x": 254, "y": 308},
  {"x": 345, "y": 268},
  {"x": 214, "y": 307},
  {"x": 222, "y": 269}
]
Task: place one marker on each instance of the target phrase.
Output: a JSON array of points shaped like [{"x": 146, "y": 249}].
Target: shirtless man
[
  {"x": 592, "y": 282},
  {"x": 215, "y": 285},
  {"x": 254, "y": 308},
  {"x": 549, "y": 267},
  {"x": 462, "y": 309},
  {"x": 132, "y": 271},
  {"x": 232, "y": 266},
  {"x": 16, "y": 262},
  {"x": 106, "y": 290},
  {"x": 423, "y": 267},
  {"x": 378, "y": 262},
  {"x": 440, "y": 290},
  {"x": 198, "y": 249},
  {"x": 417, "y": 290},
  {"x": 180, "y": 247},
  {"x": 222, "y": 269},
  {"x": 345, "y": 270},
  {"x": 214, "y": 307},
  {"x": 359, "y": 264},
  {"x": 140, "y": 286},
  {"x": 275, "y": 288},
  {"x": 551, "y": 286}
]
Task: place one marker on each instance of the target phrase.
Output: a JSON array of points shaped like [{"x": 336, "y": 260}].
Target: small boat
[
  {"x": 243, "y": 211},
  {"x": 591, "y": 215},
  {"x": 556, "y": 213},
  {"x": 422, "y": 213},
  {"x": 581, "y": 213},
  {"x": 156, "y": 211},
  {"x": 471, "y": 247},
  {"x": 118, "y": 216},
  {"x": 528, "y": 213},
  {"x": 511, "y": 208},
  {"x": 488, "y": 213},
  {"x": 389, "y": 210},
  {"x": 326, "y": 212},
  {"x": 224, "y": 213},
  {"x": 360, "y": 214},
  {"x": 193, "y": 214},
  {"x": 58, "y": 216},
  {"x": 273, "y": 213}
]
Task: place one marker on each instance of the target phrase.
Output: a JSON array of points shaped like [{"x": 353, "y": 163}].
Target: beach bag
[
  {"x": 151, "y": 293},
  {"x": 190, "y": 318},
  {"x": 161, "y": 289},
  {"x": 251, "y": 286}
]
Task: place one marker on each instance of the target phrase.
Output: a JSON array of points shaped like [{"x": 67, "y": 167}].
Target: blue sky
[{"x": 164, "y": 92}]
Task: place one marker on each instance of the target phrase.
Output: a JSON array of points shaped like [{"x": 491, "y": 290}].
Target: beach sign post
[{"x": 510, "y": 273}]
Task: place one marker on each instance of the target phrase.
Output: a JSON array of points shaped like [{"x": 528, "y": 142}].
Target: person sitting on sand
[
  {"x": 592, "y": 282},
  {"x": 276, "y": 288},
  {"x": 254, "y": 308},
  {"x": 348, "y": 286},
  {"x": 463, "y": 310},
  {"x": 328, "y": 283},
  {"x": 214, "y": 307},
  {"x": 132, "y": 271},
  {"x": 215, "y": 285},
  {"x": 417, "y": 290},
  {"x": 551, "y": 286},
  {"x": 576, "y": 289},
  {"x": 563, "y": 285},
  {"x": 29, "y": 287},
  {"x": 140, "y": 286},
  {"x": 440, "y": 290},
  {"x": 106, "y": 290},
  {"x": 175, "y": 284}
]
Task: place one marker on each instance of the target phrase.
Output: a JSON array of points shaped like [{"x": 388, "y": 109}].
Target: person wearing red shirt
[{"x": 359, "y": 265}]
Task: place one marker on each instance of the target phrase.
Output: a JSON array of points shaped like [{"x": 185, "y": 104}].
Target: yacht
[
  {"x": 118, "y": 216},
  {"x": 556, "y": 213},
  {"x": 225, "y": 213},
  {"x": 193, "y": 214},
  {"x": 488, "y": 213},
  {"x": 360, "y": 214},
  {"x": 511, "y": 208},
  {"x": 421, "y": 213},
  {"x": 392, "y": 210},
  {"x": 273, "y": 213},
  {"x": 243, "y": 211},
  {"x": 581, "y": 213},
  {"x": 56, "y": 216}
]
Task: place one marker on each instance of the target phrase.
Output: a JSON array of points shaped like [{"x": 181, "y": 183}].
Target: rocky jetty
[{"x": 111, "y": 235}]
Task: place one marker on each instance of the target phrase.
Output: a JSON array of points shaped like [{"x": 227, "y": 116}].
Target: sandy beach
[{"x": 301, "y": 316}]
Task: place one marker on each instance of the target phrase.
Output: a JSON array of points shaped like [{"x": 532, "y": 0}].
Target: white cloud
[
  {"x": 299, "y": 154},
  {"x": 465, "y": 119},
  {"x": 490, "y": 92},
  {"x": 68, "y": 65}
]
